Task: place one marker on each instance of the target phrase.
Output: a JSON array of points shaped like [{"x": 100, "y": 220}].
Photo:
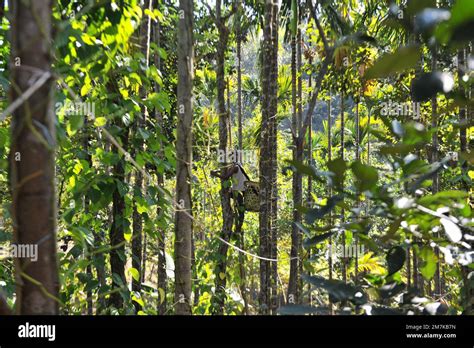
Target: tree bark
[
  {"x": 267, "y": 165},
  {"x": 162, "y": 277},
  {"x": 343, "y": 258},
  {"x": 274, "y": 165},
  {"x": 225, "y": 192},
  {"x": 184, "y": 223},
  {"x": 330, "y": 262},
  {"x": 33, "y": 208},
  {"x": 293, "y": 288},
  {"x": 116, "y": 233}
]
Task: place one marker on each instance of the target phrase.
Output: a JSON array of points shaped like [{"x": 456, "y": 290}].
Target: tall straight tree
[
  {"x": 342, "y": 131},
  {"x": 184, "y": 221},
  {"x": 162, "y": 277},
  {"x": 330, "y": 260},
  {"x": 434, "y": 158},
  {"x": 137, "y": 241},
  {"x": 293, "y": 288},
  {"x": 224, "y": 127},
  {"x": 240, "y": 235},
  {"x": 267, "y": 165},
  {"x": 116, "y": 232},
  {"x": 274, "y": 159},
  {"x": 33, "y": 208}
]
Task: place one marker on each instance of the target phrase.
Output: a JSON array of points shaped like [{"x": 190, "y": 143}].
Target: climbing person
[{"x": 237, "y": 174}]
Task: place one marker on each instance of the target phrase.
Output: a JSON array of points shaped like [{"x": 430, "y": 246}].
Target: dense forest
[{"x": 236, "y": 157}]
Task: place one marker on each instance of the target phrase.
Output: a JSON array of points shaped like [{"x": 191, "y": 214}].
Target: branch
[
  {"x": 319, "y": 79},
  {"x": 317, "y": 87},
  {"x": 24, "y": 97},
  {"x": 320, "y": 28},
  {"x": 231, "y": 12},
  {"x": 211, "y": 13}
]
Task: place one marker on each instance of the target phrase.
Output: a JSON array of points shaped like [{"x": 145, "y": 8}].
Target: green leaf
[
  {"x": 134, "y": 273},
  {"x": 429, "y": 263},
  {"x": 427, "y": 85},
  {"x": 442, "y": 196},
  {"x": 338, "y": 167},
  {"x": 462, "y": 12},
  {"x": 308, "y": 242},
  {"x": 395, "y": 259},
  {"x": 138, "y": 300},
  {"x": 338, "y": 290},
  {"x": 403, "y": 59},
  {"x": 302, "y": 228},
  {"x": 304, "y": 168},
  {"x": 367, "y": 176},
  {"x": 122, "y": 188},
  {"x": 391, "y": 289},
  {"x": 318, "y": 213},
  {"x": 100, "y": 121}
]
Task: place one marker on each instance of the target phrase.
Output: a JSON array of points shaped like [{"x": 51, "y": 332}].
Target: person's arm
[{"x": 231, "y": 171}]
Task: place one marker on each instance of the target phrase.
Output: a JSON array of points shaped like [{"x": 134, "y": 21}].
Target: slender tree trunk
[
  {"x": 434, "y": 158},
  {"x": 225, "y": 192},
  {"x": 137, "y": 221},
  {"x": 184, "y": 223},
  {"x": 464, "y": 113},
  {"x": 240, "y": 235},
  {"x": 274, "y": 161},
  {"x": 162, "y": 277},
  {"x": 293, "y": 289},
  {"x": 309, "y": 199},
  {"x": 267, "y": 166},
  {"x": 343, "y": 258},
  {"x": 330, "y": 261},
  {"x": 357, "y": 156},
  {"x": 239, "y": 75},
  {"x": 32, "y": 158},
  {"x": 310, "y": 144},
  {"x": 116, "y": 233},
  {"x": 409, "y": 272},
  {"x": 86, "y": 201},
  {"x": 300, "y": 148}
]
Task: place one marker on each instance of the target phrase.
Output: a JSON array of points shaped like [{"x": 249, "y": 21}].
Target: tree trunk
[
  {"x": 239, "y": 75},
  {"x": 274, "y": 162},
  {"x": 162, "y": 277},
  {"x": 464, "y": 113},
  {"x": 86, "y": 201},
  {"x": 343, "y": 258},
  {"x": 116, "y": 233},
  {"x": 184, "y": 223},
  {"x": 225, "y": 192},
  {"x": 293, "y": 288},
  {"x": 357, "y": 156},
  {"x": 434, "y": 158},
  {"x": 240, "y": 235},
  {"x": 267, "y": 165},
  {"x": 330, "y": 263},
  {"x": 137, "y": 220},
  {"x": 32, "y": 158}
]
